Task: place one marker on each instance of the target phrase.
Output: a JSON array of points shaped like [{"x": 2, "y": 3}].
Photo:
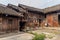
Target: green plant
[{"x": 39, "y": 36}]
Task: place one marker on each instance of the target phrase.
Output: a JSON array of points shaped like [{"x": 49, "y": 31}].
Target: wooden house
[
  {"x": 32, "y": 16},
  {"x": 35, "y": 15},
  {"x": 22, "y": 11},
  {"x": 9, "y": 19},
  {"x": 52, "y": 16},
  {"x": 43, "y": 17}
]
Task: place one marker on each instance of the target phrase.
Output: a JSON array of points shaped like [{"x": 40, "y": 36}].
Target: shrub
[{"x": 39, "y": 36}]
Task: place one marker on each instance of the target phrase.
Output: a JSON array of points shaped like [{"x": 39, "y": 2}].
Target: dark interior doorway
[
  {"x": 22, "y": 25},
  {"x": 40, "y": 22},
  {"x": 59, "y": 19}
]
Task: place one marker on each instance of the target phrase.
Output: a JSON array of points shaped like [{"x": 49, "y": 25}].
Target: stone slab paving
[
  {"x": 27, "y": 36},
  {"x": 24, "y": 36},
  {"x": 10, "y": 34},
  {"x": 58, "y": 37}
]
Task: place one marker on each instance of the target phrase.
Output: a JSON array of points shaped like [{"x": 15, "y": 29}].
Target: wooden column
[{"x": 1, "y": 27}]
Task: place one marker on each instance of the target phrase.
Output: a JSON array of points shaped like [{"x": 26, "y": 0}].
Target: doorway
[
  {"x": 22, "y": 25},
  {"x": 10, "y": 23},
  {"x": 40, "y": 22},
  {"x": 59, "y": 19}
]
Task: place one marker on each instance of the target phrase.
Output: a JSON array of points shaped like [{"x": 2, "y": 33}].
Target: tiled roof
[{"x": 5, "y": 10}]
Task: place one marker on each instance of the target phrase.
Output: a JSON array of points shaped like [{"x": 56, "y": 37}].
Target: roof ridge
[{"x": 2, "y": 5}]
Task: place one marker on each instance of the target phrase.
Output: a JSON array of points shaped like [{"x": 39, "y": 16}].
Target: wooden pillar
[{"x": 1, "y": 25}]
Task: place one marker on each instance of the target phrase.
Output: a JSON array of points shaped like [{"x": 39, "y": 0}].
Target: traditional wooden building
[
  {"x": 9, "y": 19},
  {"x": 22, "y": 11},
  {"x": 32, "y": 16},
  {"x": 49, "y": 17},
  {"x": 52, "y": 16},
  {"x": 35, "y": 15},
  {"x": 11, "y": 16}
]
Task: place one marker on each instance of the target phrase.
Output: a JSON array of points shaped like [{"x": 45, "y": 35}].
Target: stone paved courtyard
[
  {"x": 24, "y": 36},
  {"x": 27, "y": 36}
]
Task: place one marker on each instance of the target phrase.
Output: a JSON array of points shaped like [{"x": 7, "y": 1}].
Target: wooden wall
[
  {"x": 33, "y": 20},
  {"x": 9, "y": 24}
]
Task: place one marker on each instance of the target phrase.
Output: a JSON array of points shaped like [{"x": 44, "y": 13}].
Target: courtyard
[{"x": 52, "y": 32}]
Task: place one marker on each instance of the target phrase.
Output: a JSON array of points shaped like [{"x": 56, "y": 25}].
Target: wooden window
[{"x": 10, "y": 21}]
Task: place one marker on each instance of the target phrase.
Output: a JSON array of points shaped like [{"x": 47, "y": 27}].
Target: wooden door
[{"x": 10, "y": 23}]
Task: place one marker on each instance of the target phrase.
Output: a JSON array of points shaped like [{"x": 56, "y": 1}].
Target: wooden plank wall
[{"x": 10, "y": 27}]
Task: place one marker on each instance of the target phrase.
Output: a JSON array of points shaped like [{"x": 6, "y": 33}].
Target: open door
[
  {"x": 59, "y": 19},
  {"x": 40, "y": 22},
  {"x": 22, "y": 25}
]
